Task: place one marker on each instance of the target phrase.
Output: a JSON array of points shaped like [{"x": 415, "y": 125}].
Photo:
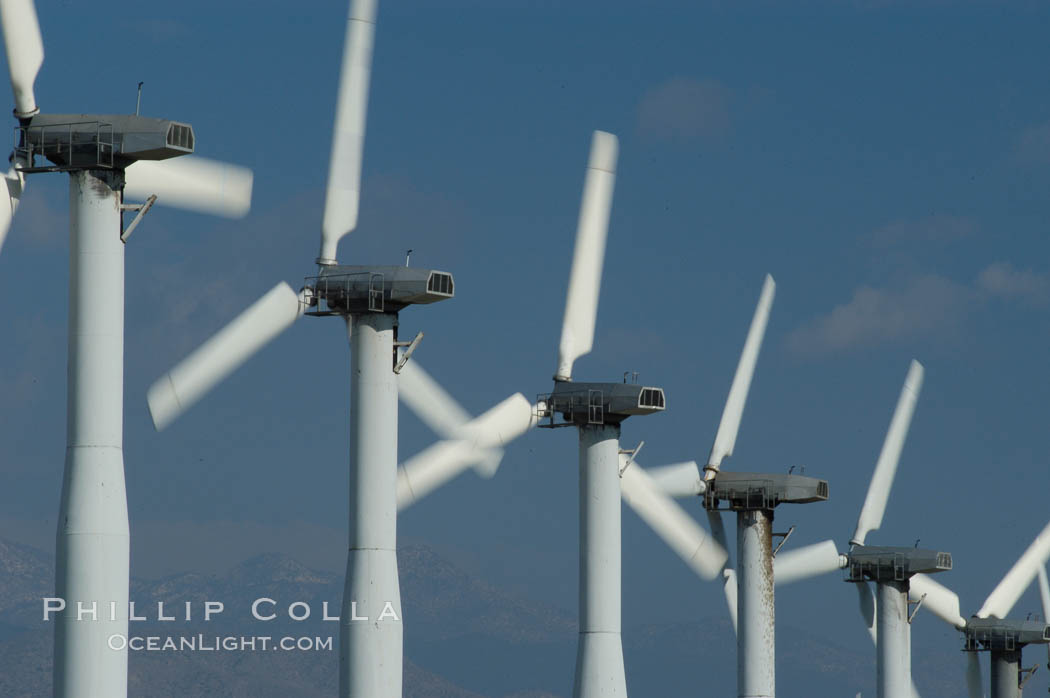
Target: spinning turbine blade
[
  {"x": 25, "y": 52},
  {"x": 805, "y": 562},
  {"x": 1009, "y": 590},
  {"x": 182, "y": 386},
  {"x": 940, "y": 600},
  {"x": 974, "y": 681},
  {"x": 429, "y": 401},
  {"x": 670, "y": 522},
  {"x": 10, "y": 194},
  {"x": 500, "y": 425},
  {"x": 882, "y": 479},
  {"x": 867, "y": 609},
  {"x": 679, "y": 479},
  {"x": 439, "y": 411},
  {"x": 585, "y": 279},
  {"x": 343, "y": 194},
  {"x": 729, "y": 589},
  {"x": 733, "y": 411},
  {"x": 193, "y": 183},
  {"x": 433, "y": 467}
]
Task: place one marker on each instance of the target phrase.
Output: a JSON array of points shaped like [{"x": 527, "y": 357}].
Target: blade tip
[
  {"x": 163, "y": 402},
  {"x": 604, "y": 151},
  {"x": 363, "y": 10}
]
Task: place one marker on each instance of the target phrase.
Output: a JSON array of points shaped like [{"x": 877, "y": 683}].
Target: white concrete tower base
[
  {"x": 599, "y": 655},
  {"x": 755, "y": 640},
  {"x": 92, "y": 542},
  {"x": 893, "y": 657},
  {"x": 370, "y": 629}
]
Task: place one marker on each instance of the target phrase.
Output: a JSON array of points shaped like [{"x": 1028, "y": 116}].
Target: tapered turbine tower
[
  {"x": 108, "y": 157},
  {"x": 369, "y": 300}
]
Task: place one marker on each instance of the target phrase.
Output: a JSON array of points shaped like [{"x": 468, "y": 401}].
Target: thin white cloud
[
  {"x": 685, "y": 109},
  {"x": 923, "y": 305},
  {"x": 1002, "y": 280}
]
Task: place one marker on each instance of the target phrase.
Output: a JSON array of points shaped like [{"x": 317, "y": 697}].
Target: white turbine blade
[
  {"x": 679, "y": 479},
  {"x": 974, "y": 681},
  {"x": 13, "y": 188},
  {"x": 182, "y": 386},
  {"x": 429, "y": 469},
  {"x": 429, "y": 401},
  {"x": 440, "y": 411},
  {"x": 729, "y": 589},
  {"x": 585, "y": 279},
  {"x": 725, "y": 439},
  {"x": 940, "y": 600},
  {"x": 343, "y": 193},
  {"x": 1004, "y": 596},
  {"x": 193, "y": 183},
  {"x": 867, "y": 609},
  {"x": 666, "y": 518},
  {"x": 25, "y": 51},
  {"x": 500, "y": 425},
  {"x": 433, "y": 467},
  {"x": 1044, "y": 594},
  {"x": 882, "y": 479},
  {"x": 805, "y": 562}
]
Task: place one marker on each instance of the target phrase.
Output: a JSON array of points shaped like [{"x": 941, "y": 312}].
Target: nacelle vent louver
[
  {"x": 180, "y": 136},
  {"x": 440, "y": 282}
]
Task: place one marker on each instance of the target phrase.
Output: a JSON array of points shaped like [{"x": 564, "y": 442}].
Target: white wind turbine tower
[
  {"x": 989, "y": 629},
  {"x": 108, "y": 157},
  {"x": 596, "y": 409},
  {"x": 886, "y": 613},
  {"x": 369, "y": 298}
]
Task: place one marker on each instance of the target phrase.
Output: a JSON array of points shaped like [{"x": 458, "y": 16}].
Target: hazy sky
[{"x": 889, "y": 165}]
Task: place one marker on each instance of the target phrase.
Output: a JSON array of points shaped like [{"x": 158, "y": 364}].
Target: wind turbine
[
  {"x": 886, "y": 614},
  {"x": 606, "y": 473},
  {"x": 369, "y": 299},
  {"x": 684, "y": 479},
  {"x": 596, "y": 410},
  {"x": 109, "y": 157},
  {"x": 989, "y": 630},
  {"x": 754, "y": 496}
]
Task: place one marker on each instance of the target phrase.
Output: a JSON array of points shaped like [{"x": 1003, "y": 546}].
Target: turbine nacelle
[
  {"x": 580, "y": 404},
  {"x": 78, "y": 141},
  {"x": 741, "y": 491},
  {"x": 342, "y": 290},
  {"x": 994, "y": 634},
  {"x": 893, "y": 564}
]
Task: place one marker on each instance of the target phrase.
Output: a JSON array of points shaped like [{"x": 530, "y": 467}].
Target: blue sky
[{"x": 888, "y": 164}]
